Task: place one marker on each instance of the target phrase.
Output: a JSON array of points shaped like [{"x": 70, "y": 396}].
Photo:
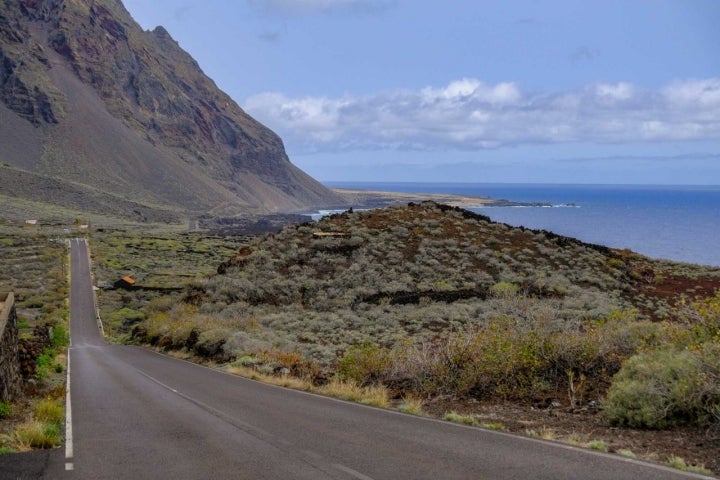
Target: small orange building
[{"x": 126, "y": 282}]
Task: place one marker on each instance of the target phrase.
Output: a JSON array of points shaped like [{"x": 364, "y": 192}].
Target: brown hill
[
  {"x": 423, "y": 270},
  {"x": 91, "y": 100}
]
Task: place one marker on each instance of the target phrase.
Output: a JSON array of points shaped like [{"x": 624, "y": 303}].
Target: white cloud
[
  {"x": 705, "y": 93},
  {"x": 617, "y": 92},
  {"x": 315, "y": 116},
  {"x": 467, "y": 88},
  {"x": 469, "y": 114}
]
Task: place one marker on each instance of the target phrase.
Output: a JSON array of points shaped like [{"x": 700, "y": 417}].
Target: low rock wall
[
  {"x": 10, "y": 375},
  {"x": 29, "y": 349}
]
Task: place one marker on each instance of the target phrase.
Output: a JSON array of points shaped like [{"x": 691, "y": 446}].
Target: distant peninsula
[{"x": 379, "y": 199}]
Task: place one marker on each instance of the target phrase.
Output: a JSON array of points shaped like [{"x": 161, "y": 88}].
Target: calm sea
[{"x": 673, "y": 222}]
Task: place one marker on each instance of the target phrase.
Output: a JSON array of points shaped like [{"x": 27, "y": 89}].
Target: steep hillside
[{"x": 87, "y": 97}]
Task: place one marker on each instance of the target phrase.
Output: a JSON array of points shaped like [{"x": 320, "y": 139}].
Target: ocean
[{"x": 679, "y": 223}]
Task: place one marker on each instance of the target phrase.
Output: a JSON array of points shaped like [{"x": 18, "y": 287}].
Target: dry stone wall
[
  {"x": 29, "y": 349},
  {"x": 10, "y": 376}
]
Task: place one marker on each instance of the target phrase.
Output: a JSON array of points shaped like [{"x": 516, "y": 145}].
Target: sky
[{"x": 514, "y": 91}]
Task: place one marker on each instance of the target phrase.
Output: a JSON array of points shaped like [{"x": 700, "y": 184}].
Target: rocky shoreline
[
  {"x": 378, "y": 199},
  {"x": 258, "y": 224}
]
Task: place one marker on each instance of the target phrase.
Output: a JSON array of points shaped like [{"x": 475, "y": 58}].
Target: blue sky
[{"x": 469, "y": 90}]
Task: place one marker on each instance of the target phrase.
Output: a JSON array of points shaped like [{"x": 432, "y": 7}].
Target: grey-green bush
[{"x": 666, "y": 387}]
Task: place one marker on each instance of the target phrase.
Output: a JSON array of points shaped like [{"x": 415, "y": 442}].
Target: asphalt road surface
[{"x": 137, "y": 414}]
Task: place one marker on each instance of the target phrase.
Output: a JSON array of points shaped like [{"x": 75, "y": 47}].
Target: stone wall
[
  {"x": 29, "y": 349},
  {"x": 10, "y": 376}
]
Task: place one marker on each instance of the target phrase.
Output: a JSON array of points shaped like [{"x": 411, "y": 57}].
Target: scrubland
[{"x": 443, "y": 309}]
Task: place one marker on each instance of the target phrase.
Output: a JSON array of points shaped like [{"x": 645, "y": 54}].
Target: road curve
[{"x": 137, "y": 414}]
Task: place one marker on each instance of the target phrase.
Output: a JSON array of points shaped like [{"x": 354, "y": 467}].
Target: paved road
[{"x": 137, "y": 414}]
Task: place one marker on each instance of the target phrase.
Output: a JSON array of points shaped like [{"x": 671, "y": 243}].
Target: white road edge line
[
  {"x": 68, "y": 416},
  {"x": 351, "y": 472},
  {"x": 68, "y": 404}
]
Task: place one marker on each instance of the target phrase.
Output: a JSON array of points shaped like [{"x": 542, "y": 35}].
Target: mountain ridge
[{"x": 88, "y": 97}]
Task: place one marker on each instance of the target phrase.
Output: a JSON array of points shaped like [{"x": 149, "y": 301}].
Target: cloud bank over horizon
[{"x": 468, "y": 114}]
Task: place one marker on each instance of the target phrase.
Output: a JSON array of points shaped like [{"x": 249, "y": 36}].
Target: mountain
[{"x": 91, "y": 103}]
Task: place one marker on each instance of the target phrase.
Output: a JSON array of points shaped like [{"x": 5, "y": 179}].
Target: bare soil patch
[{"x": 581, "y": 426}]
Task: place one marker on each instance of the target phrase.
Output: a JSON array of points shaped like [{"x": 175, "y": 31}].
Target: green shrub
[
  {"x": 680, "y": 463},
  {"x": 666, "y": 387},
  {"x": 599, "y": 445},
  {"x": 5, "y": 409},
  {"x": 247, "y": 361},
  {"x": 43, "y": 363},
  {"x": 703, "y": 316},
  {"x": 364, "y": 364},
  {"x": 60, "y": 338},
  {"x": 45, "y": 358}
]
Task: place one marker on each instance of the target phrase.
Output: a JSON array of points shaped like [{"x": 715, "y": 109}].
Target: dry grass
[
  {"x": 494, "y": 426},
  {"x": 376, "y": 396},
  {"x": 598, "y": 445},
  {"x": 36, "y": 434},
  {"x": 575, "y": 439},
  {"x": 49, "y": 411},
  {"x": 547, "y": 433},
  {"x": 286, "y": 381},
  {"x": 460, "y": 418},
  {"x": 550, "y": 434},
  {"x": 412, "y": 405}
]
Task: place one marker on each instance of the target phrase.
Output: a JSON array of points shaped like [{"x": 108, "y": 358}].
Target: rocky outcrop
[
  {"x": 29, "y": 102},
  {"x": 10, "y": 377},
  {"x": 24, "y": 85}
]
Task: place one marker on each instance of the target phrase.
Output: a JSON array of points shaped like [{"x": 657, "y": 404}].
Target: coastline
[
  {"x": 256, "y": 224},
  {"x": 359, "y": 198},
  {"x": 619, "y": 216}
]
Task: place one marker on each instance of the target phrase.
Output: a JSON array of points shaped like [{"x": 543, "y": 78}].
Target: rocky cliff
[{"x": 90, "y": 99}]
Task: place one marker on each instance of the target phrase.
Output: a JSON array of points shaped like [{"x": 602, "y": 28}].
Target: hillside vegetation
[{"x": 429, "y": 300}]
